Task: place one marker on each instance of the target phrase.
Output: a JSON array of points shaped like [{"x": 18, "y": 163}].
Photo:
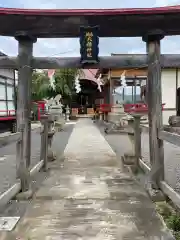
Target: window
[
  {"x": 10, "y": 92},
  {"x": 10, "y": 81},
  {"x": 6, "y": 96},
  {"x": 11, "y": 107},
  {"x": 2, "y": 92},
  {"x": 132, "y": 92},
  {"x": 3, "y": 108}
]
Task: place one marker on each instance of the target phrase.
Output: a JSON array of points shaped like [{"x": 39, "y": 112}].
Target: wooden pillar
[
  {"x": 135, "y": 88},
  {"x": 111, "y": 89},
  {"x": 132, "y": 92},
  {"x": 154, "y": 101},
  {"x": 25, "y": 52}
]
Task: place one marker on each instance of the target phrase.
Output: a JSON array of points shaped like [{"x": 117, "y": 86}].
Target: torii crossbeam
[
  {"x": 122, "y": 61},
  {"x": 62, "y": 23}
]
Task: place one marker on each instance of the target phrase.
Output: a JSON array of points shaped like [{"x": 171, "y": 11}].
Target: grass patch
[{"x": 171, "y": 217}]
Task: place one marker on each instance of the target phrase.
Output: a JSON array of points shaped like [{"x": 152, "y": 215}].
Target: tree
[
  {"x": 64, "y": 85},
  {"x": 64, "y": 82},
  {"x": 40, "y": 85}
]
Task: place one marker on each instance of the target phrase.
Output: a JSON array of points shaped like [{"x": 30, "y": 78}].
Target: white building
[
  {"x": 138, "y": 77},
  {"x": 7, "y": 87},
  {"x": 170, "y": 79}
]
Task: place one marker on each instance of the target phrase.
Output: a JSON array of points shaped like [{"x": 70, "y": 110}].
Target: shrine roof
[
  {"x": 129, "y": 22},
  {"x": 88, "y": 74}
]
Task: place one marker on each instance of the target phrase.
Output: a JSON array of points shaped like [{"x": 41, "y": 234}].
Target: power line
[{"x": 65, "y": 52}]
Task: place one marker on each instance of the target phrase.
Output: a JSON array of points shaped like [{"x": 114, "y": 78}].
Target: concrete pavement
[{"x": 90, "y": 197}]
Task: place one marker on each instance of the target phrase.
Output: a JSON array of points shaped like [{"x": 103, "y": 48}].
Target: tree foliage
[
  {"x": 64, "y": 84},
  {"x": 40, "y": 85},
  {"x": 64, "y": 81}
]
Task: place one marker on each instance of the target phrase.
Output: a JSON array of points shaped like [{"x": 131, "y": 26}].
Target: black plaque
[{"x": 89, "y": 45}]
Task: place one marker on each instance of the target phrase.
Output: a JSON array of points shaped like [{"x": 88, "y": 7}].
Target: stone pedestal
[
  {"x": 59, "y": 120},
  {"x": 128, "y": 158},
  {"x": 174, "y": 121},
  {"x": 117, "y": 114},
  {"x": 56, "y": 111}
]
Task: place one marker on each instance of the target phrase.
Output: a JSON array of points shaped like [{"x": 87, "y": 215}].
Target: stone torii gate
[{"x": 150, "y": 24}]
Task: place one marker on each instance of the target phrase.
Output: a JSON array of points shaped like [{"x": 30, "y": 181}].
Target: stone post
[
  {"x": 101, "y": 116},
  {"x": 67, "y": 113},
  {"x": 44, "y": 140},
  {"x": 129, "y": 157},
  {"x": 137, "y": 138},
  {"x": 134, "y": 133},
  {"x": 51, "y": 132}
]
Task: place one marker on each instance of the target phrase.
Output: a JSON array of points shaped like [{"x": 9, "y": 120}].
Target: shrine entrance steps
[{"x": 90, "y": 196}]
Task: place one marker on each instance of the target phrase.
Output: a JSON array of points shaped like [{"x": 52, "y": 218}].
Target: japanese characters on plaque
[
  {"x": 89, "y": 42},
  {"x": 89, "y": 39}
]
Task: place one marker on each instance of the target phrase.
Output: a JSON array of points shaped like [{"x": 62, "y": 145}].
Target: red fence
[
  {"x": 7, "y": 114},
  {"x": 105, "y": 108},
  {"x": 139, "y": 107}
]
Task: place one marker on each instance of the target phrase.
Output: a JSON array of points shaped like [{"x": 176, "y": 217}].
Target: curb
[{"x": 9, "y": 194}]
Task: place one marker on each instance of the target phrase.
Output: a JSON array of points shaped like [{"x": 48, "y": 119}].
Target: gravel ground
[
  {"x": 8, "y": 155},
  {"x": 171, "y": 161},
  {"x": 121, "y": 144}
]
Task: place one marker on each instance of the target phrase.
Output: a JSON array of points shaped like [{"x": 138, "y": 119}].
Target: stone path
[{"x": 89, "y": 197}]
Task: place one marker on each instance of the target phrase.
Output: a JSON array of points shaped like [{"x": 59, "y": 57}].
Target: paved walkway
[{"x": 90, "y": 198}]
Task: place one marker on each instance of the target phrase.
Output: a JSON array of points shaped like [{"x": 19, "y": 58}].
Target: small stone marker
[{"x": 8, "y": 223}]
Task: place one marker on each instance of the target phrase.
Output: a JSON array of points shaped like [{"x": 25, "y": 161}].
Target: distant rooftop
[
  {"x": 88, "y": 74},
  {"x": 2, "y": 54}
]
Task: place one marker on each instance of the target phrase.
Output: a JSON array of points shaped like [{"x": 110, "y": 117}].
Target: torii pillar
[
  {"x": 154, "y": 100},
  {"x": 25, "y": 54}
]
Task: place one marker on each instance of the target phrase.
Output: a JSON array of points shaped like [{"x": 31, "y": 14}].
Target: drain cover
[{"x": 8, "y": 223}]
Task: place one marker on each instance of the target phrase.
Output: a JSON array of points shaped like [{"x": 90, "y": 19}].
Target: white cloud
[{"x": 55, "y": 47}]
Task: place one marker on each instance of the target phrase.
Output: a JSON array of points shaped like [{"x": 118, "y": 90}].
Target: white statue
[
  {"x": 55, "y": 106},
  {"x": 57, "y": 98}
]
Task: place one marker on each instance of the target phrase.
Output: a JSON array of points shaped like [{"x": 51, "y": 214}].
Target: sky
[{"x": 70, "y": 47}]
